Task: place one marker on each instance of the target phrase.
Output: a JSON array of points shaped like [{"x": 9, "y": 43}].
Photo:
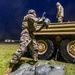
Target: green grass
[{"x": 7, "y": 50}]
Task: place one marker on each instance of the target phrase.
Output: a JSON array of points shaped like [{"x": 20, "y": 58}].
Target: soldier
[
  {"x": 27, "y": 37},
  {"x": 60, "y": 12}
]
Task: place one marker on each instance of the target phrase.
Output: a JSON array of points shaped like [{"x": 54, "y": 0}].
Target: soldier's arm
[{"x": 34, "y": 19}]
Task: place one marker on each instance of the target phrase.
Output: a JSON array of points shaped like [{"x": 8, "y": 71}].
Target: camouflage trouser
[
  {"x": 60, "y": 19},
  {"x": 25, "y": 39}
]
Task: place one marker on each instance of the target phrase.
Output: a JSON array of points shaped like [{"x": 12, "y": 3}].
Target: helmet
[
  {"x": 31, "y": 11},
  {"x": 57, "y": 3}
]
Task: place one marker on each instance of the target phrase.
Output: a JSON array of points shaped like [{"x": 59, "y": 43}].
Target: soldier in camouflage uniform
[
  {"x": 60, "y": 12},
  {"x": 27, "y": 37}
]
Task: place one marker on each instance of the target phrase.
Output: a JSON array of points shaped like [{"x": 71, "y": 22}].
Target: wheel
[
  {"x": 67, "y": 50},
  {"x": 45, "y": 49}
]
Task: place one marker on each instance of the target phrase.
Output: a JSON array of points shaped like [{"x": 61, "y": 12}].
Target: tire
[
  {"x": 67, "y": 49},
  {"x": 46, "y": 49}
]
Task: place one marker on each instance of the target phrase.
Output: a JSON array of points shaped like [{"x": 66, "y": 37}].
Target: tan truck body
[{"x": 58, "y": 36}]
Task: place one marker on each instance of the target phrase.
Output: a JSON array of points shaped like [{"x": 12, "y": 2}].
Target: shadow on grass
[{"x": 22, "y": 61}]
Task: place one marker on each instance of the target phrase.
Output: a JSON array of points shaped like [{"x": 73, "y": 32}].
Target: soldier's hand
[
  {"x": 43, "y": 18},
  {"x": 37, "y": 30}
]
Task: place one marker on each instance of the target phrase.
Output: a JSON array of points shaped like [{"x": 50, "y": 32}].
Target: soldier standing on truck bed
[
  {"x": 27, "y": 37},
  {"x": 60, "y": 12}
]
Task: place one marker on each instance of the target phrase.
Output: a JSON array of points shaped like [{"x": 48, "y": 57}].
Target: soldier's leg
[
  {"x": 24, "y": 41},
  {"x": 60, "y": 19},
  {"x": 14, "y": 60},
  {"x": 35, "y": 51}
]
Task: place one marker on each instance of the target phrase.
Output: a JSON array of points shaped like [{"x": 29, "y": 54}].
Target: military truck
[{"x": 58, "y": 36}]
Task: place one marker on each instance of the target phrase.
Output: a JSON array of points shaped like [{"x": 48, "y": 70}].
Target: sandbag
[
  {"x": 21, "y": 69},
  {"x": 40, "y": 68},
  {"x": 28, "y": 73},
  {"x": 57, "y": 70}
]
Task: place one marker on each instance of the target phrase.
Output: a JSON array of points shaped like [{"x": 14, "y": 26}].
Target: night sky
[{"x": 13, "y": 11}]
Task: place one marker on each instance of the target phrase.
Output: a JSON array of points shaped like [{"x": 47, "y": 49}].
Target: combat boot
[
  {"x": 34, "y": 62},
  {"x": 35, "y": 56},
  {"x": 8, "y": 71},
  {"x": 35, "y": 59}
]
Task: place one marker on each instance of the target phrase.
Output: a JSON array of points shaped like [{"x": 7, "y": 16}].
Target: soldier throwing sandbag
[{"x": 27, "y": 37}]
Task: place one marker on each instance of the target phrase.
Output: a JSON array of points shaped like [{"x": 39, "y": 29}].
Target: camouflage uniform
[
  {"x": 27, "y": 37},
  {"x": 60, "y": 12}
]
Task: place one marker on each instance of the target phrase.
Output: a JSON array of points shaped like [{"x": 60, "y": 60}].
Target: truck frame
[{"x": 58, "y": 36}]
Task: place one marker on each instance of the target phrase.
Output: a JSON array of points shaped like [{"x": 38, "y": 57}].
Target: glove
[{"x": 42, "y": 19}]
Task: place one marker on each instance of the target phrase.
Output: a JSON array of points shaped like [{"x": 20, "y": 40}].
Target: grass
[{"x": 7, "y": 50}]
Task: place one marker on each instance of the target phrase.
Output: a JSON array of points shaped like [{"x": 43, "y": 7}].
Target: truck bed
[{"x": 65, "y": 28}]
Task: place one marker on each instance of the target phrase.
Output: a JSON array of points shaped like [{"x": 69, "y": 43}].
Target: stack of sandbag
[{"x": 40, "y": 68}]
